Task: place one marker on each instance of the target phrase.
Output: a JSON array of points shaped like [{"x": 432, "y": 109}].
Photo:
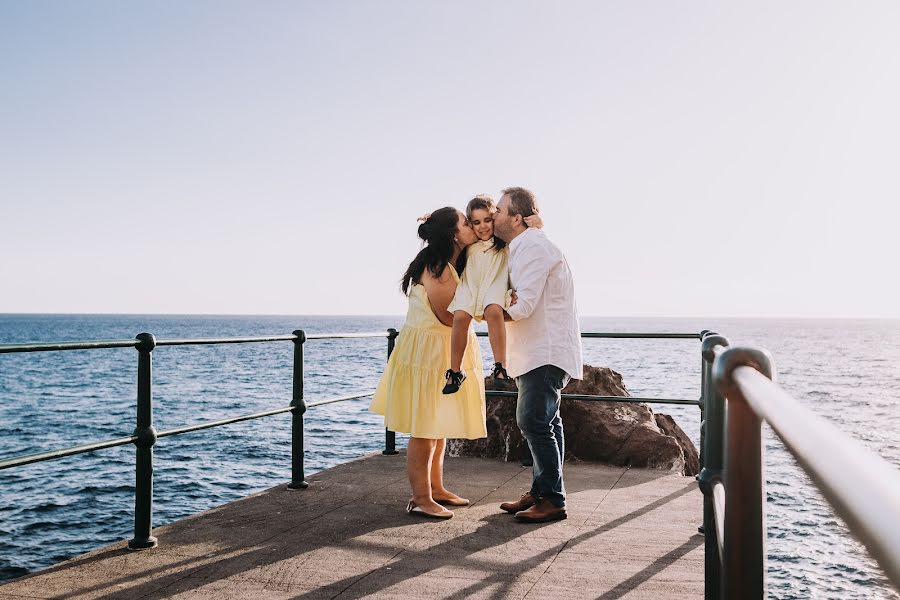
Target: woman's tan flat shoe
[
  {"x": 413, "y": 509},
  {"x": 452, "y": 501}
]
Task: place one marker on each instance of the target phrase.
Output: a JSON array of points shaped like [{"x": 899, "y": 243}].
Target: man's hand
[{"x": 513, "y": 298}]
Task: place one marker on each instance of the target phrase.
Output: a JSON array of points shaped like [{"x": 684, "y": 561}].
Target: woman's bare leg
[
  {"x": 419, "y": 457},
  {"x": 493, "y": 314},
  {"x": 438, "y": 491},
  {"x": 458, "y": 338}
]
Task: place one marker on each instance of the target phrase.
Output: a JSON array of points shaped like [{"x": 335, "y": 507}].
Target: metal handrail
[
  {"x": 272, "y": 338},
  {"x": 27, "y": 459},
  {"x": 621, "y": 335},
  {"x": 257, "y": 415},
  {"x": 591, "y": 398},
  {"x": 99, "y": 344},
  {"x": 145, "y": 435},
  {"x": 862, "y": 487},
  {"x": 17, "y": 461},
  {"x": 56, "y": 346}
]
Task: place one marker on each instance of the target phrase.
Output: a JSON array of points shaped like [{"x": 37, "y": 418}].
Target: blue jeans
[{"x": 537, "y": 414}]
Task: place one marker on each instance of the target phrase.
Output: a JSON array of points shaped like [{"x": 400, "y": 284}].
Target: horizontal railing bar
[
  {"x": 271, "y": 338},
  {"x": 613, "y": 335},
  {"x": 92, "y": 345},
  {"x": 226, "y": 340},
  {"x": 333, "y": 336},
  {"x": 18, "y": 461},
  {"x": 62, "y": 453},
  {"x": 626, "y": 399},
  {"x": 220, "y": 422},
  {"x": 55, "y": 346},
  {"x": 341, "y": 399},
  {"x": 719, "y": 512},
  {"x": 861, "y": 486},
  {"x": 648, "y": 336},
  {"x": 259, "y": 415}
]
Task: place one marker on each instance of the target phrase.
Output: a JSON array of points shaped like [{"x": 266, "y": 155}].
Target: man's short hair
[{"x": 521, "y": 202}]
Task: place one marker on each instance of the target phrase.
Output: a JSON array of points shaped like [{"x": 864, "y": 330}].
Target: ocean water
[{"x": 847, "y": 371}]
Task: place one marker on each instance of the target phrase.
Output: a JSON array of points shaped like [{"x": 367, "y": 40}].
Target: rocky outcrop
[
  {"x": 669, "y": 427},
  {"x": 618, "y": 433}
]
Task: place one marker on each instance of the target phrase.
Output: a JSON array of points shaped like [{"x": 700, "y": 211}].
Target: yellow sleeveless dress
[{"x": 409, "y": 393}]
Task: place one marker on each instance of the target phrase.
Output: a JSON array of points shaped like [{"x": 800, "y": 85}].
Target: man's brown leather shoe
[
  {"x": 541, "y": 512},
  {"x": 526, "y": 501}
]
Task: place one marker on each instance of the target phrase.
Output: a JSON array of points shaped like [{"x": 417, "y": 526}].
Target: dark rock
[
  {"x": 691, "y": 458},
  {"x": 618, "y": 433}
]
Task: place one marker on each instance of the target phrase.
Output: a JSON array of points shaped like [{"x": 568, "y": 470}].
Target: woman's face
[
  {"x": 483, "y": 223},
  {"x": 465, "y": 236}
]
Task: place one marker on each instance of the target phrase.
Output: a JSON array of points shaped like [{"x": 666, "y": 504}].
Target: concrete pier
[{"x": 631, "y": 533}]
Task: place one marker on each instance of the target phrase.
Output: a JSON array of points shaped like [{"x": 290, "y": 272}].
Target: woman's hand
[
  {"x": 513, "y": 298},
  {"x": 534, "y": 220},
  {"x": 423, "y": 218}
]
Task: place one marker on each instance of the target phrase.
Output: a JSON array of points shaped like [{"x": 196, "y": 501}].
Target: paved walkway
[{"x": 631, "y": 533}]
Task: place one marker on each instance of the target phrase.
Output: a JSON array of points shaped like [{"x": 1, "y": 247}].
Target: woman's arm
[
  {"x": 440, "y": 293},
  {"x": 535, "y": 221}
]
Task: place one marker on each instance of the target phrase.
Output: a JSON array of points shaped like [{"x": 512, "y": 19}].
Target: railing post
[
  {"x": 712, "y": 453},
  {"x": 298, "y": 478},
  {"x": 146, "y": 438},
  {"x": 704, "y": 378},
  {"x": 744, "y": 564},
  {"x": 390, "y": 438}
]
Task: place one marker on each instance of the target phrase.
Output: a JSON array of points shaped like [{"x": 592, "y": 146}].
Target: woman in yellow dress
[{"x": 409, "y": 393}]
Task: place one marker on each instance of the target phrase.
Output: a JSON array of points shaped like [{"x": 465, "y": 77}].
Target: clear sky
[{"x": 693, "y": 159}]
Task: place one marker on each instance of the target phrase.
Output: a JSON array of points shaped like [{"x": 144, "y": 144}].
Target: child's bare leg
[
  {"x": 493, "y": 314},
  {"x": 458, "y": 338}
]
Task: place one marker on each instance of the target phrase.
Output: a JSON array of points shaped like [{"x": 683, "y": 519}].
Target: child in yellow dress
[{"x": 483, "y": 292}]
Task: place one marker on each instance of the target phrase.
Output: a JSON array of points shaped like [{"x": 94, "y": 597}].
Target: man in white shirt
[{"x": 544, "y": 350}]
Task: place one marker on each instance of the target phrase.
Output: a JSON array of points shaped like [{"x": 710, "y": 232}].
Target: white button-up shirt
[{"x": 544, "y": 329}]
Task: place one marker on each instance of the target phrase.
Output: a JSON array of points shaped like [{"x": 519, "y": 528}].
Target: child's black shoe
[
  {"x": 499, "y": 372},
  {"x": 454, "y": 380}
]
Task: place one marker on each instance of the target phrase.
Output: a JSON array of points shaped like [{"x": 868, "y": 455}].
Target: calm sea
[{"x": 847, "y": 371}]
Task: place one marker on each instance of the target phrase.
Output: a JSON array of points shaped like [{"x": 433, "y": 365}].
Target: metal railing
[
  {"x": 145, "y": 435},
  {"x": 739, "y": 393}
]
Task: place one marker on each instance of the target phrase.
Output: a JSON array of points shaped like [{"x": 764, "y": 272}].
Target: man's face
[{"x": 503, "y": 225}]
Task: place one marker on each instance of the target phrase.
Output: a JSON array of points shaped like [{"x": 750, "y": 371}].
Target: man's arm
[{"x": 530, "y": 280}]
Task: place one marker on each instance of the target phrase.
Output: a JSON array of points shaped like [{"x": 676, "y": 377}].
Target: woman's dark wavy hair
[
  {"x": 485, "y": 202},
  {"x": 438, "y": 232}
]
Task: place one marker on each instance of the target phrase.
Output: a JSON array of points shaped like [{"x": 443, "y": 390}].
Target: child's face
[{"x": 483, "y": 223}]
